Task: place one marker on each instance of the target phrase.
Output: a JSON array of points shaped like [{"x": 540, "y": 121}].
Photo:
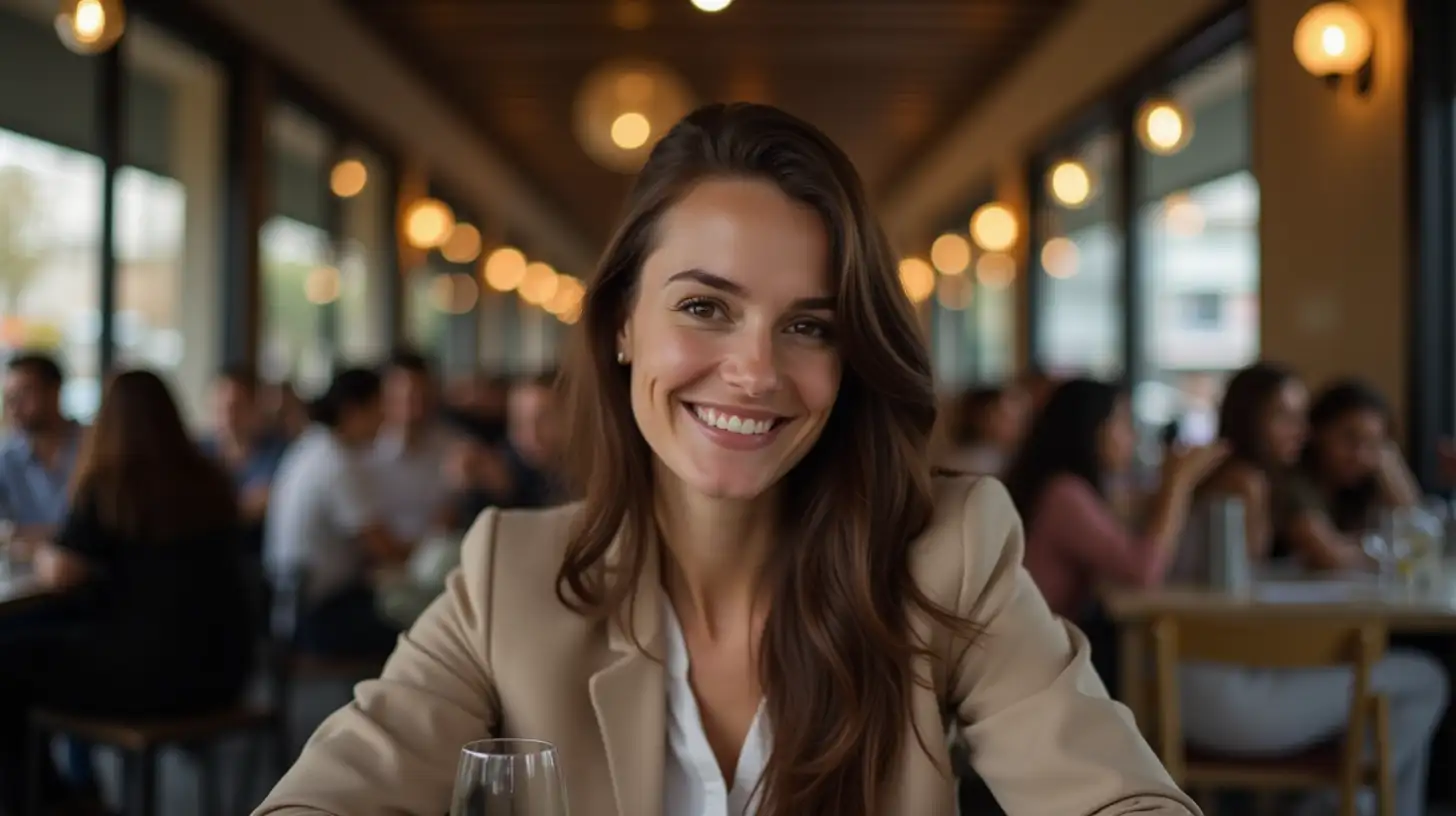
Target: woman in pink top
[{"x": 1083, "y": 439}]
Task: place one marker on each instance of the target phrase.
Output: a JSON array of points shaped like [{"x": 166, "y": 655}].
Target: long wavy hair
[
  {"x": 140, "y": 469},
  {"x": 1063, "y": 439},
  {"x": 837, "y": 648}
]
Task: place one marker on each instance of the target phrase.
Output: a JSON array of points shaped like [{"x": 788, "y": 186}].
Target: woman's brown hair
[
  {"x": 140, "y": 470},
  {"x": 837, "y": 647}
]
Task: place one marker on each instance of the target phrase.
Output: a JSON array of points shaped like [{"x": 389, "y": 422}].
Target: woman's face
[
  {"x": 1284, "y": 423},
  {"x": 1349, "y": 448},
  {"x": 731, "y": 338},
  {"x": 1117, "y": 439}
]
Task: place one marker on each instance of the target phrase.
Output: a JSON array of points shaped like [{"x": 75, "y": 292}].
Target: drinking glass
[
  {"x": 7, "y": 554},
  {"x": 509, "y": 777}
]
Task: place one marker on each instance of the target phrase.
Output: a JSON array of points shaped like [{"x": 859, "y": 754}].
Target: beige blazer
[{"x": 498, "y": 655}]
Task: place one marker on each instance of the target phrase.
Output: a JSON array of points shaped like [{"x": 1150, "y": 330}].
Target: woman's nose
[{"x": 751, "y": 367}]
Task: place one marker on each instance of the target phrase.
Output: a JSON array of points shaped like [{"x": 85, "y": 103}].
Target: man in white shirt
[{"x": 407, "y": 464}]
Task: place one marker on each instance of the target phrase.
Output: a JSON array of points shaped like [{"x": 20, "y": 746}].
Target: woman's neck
[{"x": 715, "y": 554}]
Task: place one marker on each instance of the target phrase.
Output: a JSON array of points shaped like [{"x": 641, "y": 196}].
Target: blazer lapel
[{"x": 630, "y": 698}]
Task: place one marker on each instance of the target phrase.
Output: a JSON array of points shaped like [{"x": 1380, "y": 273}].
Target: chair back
[{"x": 1262, "y": 642}]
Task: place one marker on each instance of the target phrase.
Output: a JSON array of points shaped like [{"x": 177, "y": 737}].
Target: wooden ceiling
[{"x": 882, "y": 77}]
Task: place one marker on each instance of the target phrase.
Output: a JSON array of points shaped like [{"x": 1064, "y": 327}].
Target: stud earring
[{"x": 621, "y": 357}]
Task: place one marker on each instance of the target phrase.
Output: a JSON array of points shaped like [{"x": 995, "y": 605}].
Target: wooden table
[{"x": 1428, "y": 608}]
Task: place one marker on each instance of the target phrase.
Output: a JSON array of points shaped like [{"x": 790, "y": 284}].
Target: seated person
[
  {"x": 150, "y": 553},
  {"x": 324, "y": 538}
]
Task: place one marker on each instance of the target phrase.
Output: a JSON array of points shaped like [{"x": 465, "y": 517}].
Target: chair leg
[
  {"x": 141, "y": 782},
  {"x": 37, "y": 747}
]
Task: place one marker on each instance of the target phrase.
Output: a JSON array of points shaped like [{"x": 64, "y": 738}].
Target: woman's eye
[
  {"x": 810, "y": 328},
  {"x": 700, "y": 308}
]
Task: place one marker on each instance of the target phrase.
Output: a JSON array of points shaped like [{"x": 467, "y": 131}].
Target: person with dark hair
[
  {"x": 746, "y": 610},
  {"x": 39, "y": 453},
  {"x": 1082, "y": 440},
  {"x": 245, "y": 446},
  {"x": 324, "y": 535},
  {"x": 1350, "y": 467},
  {"x": 149, "y": 554},
  {"x": 989, "y": 429},
  {"x": 533, "y": 431},
  {"x": 1258, "y": 713},
  {"x": 409, "y": 461}
]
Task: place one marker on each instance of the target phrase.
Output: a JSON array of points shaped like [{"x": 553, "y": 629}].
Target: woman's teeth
[{"x": 731, "y": 423}]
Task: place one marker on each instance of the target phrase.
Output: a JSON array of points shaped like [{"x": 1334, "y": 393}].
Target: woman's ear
[{"x": 624, "y": 343}]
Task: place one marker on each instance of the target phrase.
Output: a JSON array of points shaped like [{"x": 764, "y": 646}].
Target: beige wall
[
  {"x": 1333, "y": 219},
  {"x": 1331, "y": 168}
]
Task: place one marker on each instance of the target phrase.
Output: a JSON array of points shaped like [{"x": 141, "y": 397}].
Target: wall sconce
[
  {"x": 994, "y": 227},
  {"x": 1070, "y": 184},
  {"x": 1163, "y": 126},
  {"x": 90, "y": 26},
  {"x": 1333, "y": 40}
]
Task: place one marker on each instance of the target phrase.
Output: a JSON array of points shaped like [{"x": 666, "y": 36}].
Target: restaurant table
[{"x": 1399, "y": 606}]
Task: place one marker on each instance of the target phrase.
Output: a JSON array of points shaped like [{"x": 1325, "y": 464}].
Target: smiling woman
[{"x": 765, "y": 603}]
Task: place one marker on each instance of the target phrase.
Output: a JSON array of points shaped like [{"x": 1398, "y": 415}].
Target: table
[{"x": 1278, "y": 592}]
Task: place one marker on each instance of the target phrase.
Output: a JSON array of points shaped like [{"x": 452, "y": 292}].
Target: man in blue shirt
[{"x": 39, "y": 452}]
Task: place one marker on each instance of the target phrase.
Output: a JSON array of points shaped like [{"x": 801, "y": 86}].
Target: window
[
  {"x": 299, "y": 277},
  {"x": 1198, "y": 212},
  {"x": 168, "y": 214},
  {"x": 1079, "y": 259},
  {"x": 367, "y": 218},
  {"x": 50, "y": 205},
  {"x": 971, "y": 332}
]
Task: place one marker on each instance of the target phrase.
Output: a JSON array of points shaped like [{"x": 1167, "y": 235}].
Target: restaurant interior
[{"x": 263, "y": 203}]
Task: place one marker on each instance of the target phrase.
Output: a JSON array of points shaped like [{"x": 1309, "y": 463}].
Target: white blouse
[{"x": 693, "y": 785}]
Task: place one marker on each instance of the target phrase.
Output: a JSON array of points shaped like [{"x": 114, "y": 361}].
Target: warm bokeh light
[
  {"x": 463, "y": 247},
  {"x": 505, "y": 268},
  {"x": 712, "y": 5},
  {"x": 951, "y": 254},
  {"x": 917, "y": 279},
  {"x": 954, "y": 292},
  {"x": 348, "y": 178},
  {"x": 322, "y": 285},
  {"x": 454, "y": 293},
  {"x": 1182, "y": 215},
  {"x": 994, "y": 227},
  {"x": 539, "y": 285},
  {"x": 1163, "y": 127},
  {"x": 995, "y": 270},
  {"x": 1332, "y": 39},
  {"x": 568, "y": 297},
  {"x": 631, "y": 130},
  {"x": 428, "y": 223},
  {"x": 1060, "y": 258},
  {"x": 90, "y": 26},
  {"x": 1070, "y": 183}
]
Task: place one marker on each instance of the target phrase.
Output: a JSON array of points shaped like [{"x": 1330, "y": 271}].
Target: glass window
[
  {"x": 362, "y": 315},
  {"x": 299, "y": 277},
  {"x": 50, "y": 205},
  {"x": 1198, "y": 212},
  {"x": 168, "y": 214},
  {"x": 426, "y": 319},
  {"x": 1079, "y": 260},
  {"x": 971, "y": 324}
]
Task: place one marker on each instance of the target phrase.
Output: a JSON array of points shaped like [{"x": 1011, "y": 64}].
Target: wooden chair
[
  {"x": 141, "y": 742},
  {"x": 1277, "y": 643}
]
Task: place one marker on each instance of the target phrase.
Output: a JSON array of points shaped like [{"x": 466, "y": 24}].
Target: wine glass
[{"x": 509, "y": 777}]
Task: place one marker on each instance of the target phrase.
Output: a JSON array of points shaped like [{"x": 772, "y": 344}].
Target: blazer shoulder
[
  {"x": 974, "y": 527},
  {"x": 520, "y": 543}
]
